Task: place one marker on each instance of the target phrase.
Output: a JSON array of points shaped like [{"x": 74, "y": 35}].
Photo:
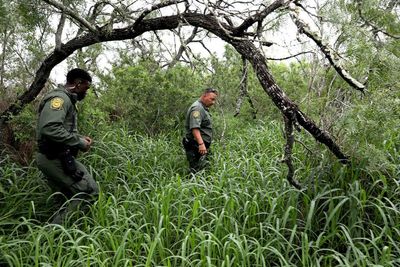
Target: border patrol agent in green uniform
[
  {"x": 59, "y": 143},
  {"x": 198, "y": 131}
]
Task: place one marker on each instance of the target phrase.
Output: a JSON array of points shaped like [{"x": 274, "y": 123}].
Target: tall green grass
[{"x": 240, "y": 212}]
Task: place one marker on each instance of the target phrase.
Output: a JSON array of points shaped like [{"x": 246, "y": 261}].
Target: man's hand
[
  {"x": 89, "y": 142},
  {"x": 202, "y": 149}
]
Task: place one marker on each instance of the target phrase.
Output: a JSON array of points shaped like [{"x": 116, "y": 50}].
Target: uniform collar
[
  {"x": 204, "y": 106},
  {"x": 72, "y": 96}
]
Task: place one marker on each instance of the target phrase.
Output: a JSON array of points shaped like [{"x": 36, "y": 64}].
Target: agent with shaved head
[{"x": 59, "y": 143}]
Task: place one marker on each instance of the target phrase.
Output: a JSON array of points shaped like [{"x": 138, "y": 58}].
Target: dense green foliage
[
  {"x": 148, "y": 99},
  {"x": 241, "y": 212}
]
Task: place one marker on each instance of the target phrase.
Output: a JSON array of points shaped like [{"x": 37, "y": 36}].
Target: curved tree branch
[
  {"x": 73, "y": 14},
  {"x": 243, "y": 87},
  {"x": 243, "y": 92},
  {"x": 258, "y": 17},
  {"x": 59, "y": 31},
  {"x": 328, "y": 52},
  {"x": 183, "y": 47},
  {"x": 155, "y": 7},
  {"x": 291, "y": 56}
]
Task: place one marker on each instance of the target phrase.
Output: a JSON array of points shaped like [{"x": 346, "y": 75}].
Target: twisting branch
[
  {"x": 73, "y": 14},
  {"x": 288, "y": 151},
  {"x": 183, "y": 46},
  {"x": 328, "y": 52},
  {"x": 243, "y": 87},
  {"x": 22, "y": 61},
  {"x": 59, "y": 31},
  {"x": 155, "y": 7},
  {"x": 392, "y": 4},
  {"x": 253, "y": 108},
  {"x": 258, "y": 17},
  {"x": 95, "y": 10},
  {"x": 291, "y": 56},
  {"x": 285, "y": 105},
  {"x": 204, "y": 46},
  {"x": 244, "y": 92}
]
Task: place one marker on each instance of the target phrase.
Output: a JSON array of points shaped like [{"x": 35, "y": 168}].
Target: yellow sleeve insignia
[
  {"x": 56, "y": 103},
  {"x": 196, "y": 114}
]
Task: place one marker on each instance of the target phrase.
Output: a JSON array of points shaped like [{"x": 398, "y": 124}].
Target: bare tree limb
[
  {"x": 328, "y": 52},
  {"x": 59, "y": 31},
  {"x": 243, "y": 87},
  {"x": 244, "y": 92},
  {"x": 304, "y": 145},
  {"x": 292, "y": 56},
  {"x": 258, "y": 17},
  {"x": 155, "y": 7},
  {"x": 205, "y": 47},
  {"x": 95, "y": 10},
  {"x": 73, "y": 14},
  {"x": 284, "y": 104},
  {"x": 4, "y": 44},
  {"x": 23, "y": 61},
  {"x": 183, "y": 46},
  {"x": 288, "y": 151}
]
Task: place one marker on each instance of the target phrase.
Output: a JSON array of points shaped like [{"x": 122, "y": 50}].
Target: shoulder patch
[
  {"x": 56, "y": 103},
  {"x": 196, "y": 114}
]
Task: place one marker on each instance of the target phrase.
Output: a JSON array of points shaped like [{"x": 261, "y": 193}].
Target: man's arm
[
  {"x": 51, "y": 124},
  {"x": 199, "y": 140}
]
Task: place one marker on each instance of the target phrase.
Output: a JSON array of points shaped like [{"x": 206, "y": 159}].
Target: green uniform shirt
[
  {"x": 199, "y": 117},
  {"x": 58, "y": 118}
]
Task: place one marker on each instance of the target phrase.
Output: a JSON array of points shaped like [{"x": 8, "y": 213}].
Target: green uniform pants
[
  {"x": 77, "y": 192},
  {"x": 197, "y": 162}
]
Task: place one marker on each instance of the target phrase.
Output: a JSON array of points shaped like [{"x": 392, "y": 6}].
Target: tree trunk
[{"x": 285, "y": 105}]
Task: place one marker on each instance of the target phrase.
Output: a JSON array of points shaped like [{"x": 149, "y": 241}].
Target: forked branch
[
  {"x": 258, "y": 17},
  {"x": 328, "y": 52},
  {"x": 72, "y": 14},
  {"x": 244, "y": 91}
]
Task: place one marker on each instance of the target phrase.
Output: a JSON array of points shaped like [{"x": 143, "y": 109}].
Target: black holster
[
  {"x": 69, "y": 165},
  {"x": 188, "y": 144},
  {"x": 191, "y": 144},
  {"x": 65, "y": 154}
]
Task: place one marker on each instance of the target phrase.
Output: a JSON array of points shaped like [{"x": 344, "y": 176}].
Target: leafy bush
[{"x": 149, "y": 99}]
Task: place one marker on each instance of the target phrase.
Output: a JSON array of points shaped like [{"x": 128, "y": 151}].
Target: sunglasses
[{"x": 211, "y": 90}]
